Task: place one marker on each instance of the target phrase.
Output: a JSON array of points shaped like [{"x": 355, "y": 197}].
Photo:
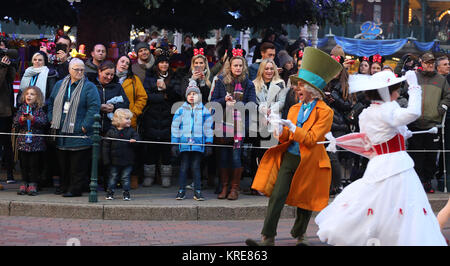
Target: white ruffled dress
[{"x": 388, "y": 205}]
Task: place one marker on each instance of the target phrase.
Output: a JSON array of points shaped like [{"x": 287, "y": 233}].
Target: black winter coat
[
  {"x": 157, "y": 116},
  {"x": 119, "y": 153},
  {"x": 62, "y": 70},
  {"x": 106, "y": 93},
  {"x": 288, "y": 103},
  {"x": 340, "y": 107}
]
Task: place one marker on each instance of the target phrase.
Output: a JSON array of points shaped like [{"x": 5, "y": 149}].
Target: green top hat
[{"x": 318, "y": 68}]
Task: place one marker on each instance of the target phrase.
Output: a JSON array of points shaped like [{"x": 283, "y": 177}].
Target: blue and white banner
[
  {"x": 361, "y": 47},
  {"x": 423, "y": 46}
]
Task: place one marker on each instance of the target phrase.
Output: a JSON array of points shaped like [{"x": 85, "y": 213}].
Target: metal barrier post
[
  {"x": 444, "y": 150},
  {"x": 95, "y": 153}
]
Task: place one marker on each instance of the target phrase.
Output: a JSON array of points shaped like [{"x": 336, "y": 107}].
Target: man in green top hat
[{"x": 297, "y": 172}]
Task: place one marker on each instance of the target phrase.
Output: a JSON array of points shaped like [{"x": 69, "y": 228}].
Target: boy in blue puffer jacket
[{"x": 191, "y": 124}]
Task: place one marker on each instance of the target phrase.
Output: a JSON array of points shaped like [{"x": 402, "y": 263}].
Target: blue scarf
[{"x": 302, "y": 117}]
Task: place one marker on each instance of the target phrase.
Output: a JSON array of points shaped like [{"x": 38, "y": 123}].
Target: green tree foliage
[{"x": 194, "y": 16}]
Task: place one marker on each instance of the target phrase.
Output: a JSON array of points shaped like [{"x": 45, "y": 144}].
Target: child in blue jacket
[{"x": 191, "y": 124}]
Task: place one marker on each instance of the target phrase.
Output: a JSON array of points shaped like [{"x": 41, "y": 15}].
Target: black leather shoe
[{"x": 70, "y": 195}]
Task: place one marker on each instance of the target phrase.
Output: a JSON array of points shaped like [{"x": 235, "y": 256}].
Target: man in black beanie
[{"x": 145, "y": 60}]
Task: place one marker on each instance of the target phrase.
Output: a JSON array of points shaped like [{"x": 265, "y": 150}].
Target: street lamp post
[
  {"x": 93, "y": 197},
  {"x": 402, "y": 4},
  {"x": 314, "y": 32},
  {"x": 304, "y": 32},
  {"x": 424, "y": 10}
]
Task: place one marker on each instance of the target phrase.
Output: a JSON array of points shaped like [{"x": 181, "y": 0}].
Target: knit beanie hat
[
  {"x": 162, "y": 55},
  {"x": 161, "y": 58},
  {"x": 192, "y": 87},
  {"x": 284, "y": 58},
  {"x": 141, "y": 45}
]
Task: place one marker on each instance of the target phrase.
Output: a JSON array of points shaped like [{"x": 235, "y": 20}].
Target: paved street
[
  {"x": 57, "y": 231},
  {"x": 34, "y": 231}
]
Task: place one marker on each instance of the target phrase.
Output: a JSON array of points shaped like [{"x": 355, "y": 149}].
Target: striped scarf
[
  {"x": 234, "y": 127},
  {"x": 69, "y": 121}
]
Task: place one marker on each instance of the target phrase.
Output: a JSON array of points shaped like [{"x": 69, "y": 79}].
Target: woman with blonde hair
[
  {"x": 39, "y": 75},
  {"x": 270, "y": 97},
  {"x": 200, "y": 73},
  {"x": 233, "y": 86},
  {"x": 270, "y": 88}
]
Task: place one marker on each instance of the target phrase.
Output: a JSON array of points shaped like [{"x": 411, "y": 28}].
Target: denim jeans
[
  {"x": 123, "y": 172},
  {"x": 190, "y": 159},
  {"x": 230, "y": 158}
]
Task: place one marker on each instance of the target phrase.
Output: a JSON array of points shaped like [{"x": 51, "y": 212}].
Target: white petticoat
[{"x": 391, "y": 212}]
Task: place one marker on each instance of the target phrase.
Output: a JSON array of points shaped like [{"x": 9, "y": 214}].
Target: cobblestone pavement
[
  {"x": 57, "y": 231},
  {"x": 33, "y": 231}
]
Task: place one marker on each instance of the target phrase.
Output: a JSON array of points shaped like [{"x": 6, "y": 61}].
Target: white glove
[
  {"x": 408, "y": 134},
  {"x": 287, "y": 123},
  {"x": 411, "y": 78},
  {"x": 274, "y": 117},
  {"x": 332, "y": 146},
  {"x": 277, "y": 129},
  {"x": 433, "y": 130},
  {"x": 275, "y": 123}
]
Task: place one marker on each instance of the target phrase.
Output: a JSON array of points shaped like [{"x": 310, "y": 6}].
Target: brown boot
[
  {"x": 134, "y": 182},
  {"x": 235, "y": 182},
  {"x": 224, "y": 176}
]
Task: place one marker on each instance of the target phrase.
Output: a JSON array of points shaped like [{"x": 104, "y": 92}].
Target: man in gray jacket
[{"x": 435, "y": 102}]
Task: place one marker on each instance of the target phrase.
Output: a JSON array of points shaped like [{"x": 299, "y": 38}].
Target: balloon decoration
[
  {"x": 78, "y": 54},
  {"x": 132, "y": 55}
]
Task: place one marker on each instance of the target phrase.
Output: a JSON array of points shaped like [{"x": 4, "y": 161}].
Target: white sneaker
[{"x": 148, "y": 182}]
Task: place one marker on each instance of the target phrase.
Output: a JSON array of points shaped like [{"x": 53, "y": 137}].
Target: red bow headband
[
  {"x": 337, "y": 58},
  {"x": 237, "y": 52},
  {"x": 365, "y": 58},
  {"x": 300, "y": 54},
  {"x": 49, "y": 45},
  {"x": 377, "y": 58},
  {"x": 198, "y": 51}
]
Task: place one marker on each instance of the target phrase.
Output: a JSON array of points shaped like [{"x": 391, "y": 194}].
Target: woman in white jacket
[
  {"x": 270, "y": 92},
  {"x": 388, "y": 205},
  {"x": 270, "y": 96}
]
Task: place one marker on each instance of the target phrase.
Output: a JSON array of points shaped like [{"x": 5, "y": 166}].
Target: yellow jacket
[{"x": 136, "y": 95}]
